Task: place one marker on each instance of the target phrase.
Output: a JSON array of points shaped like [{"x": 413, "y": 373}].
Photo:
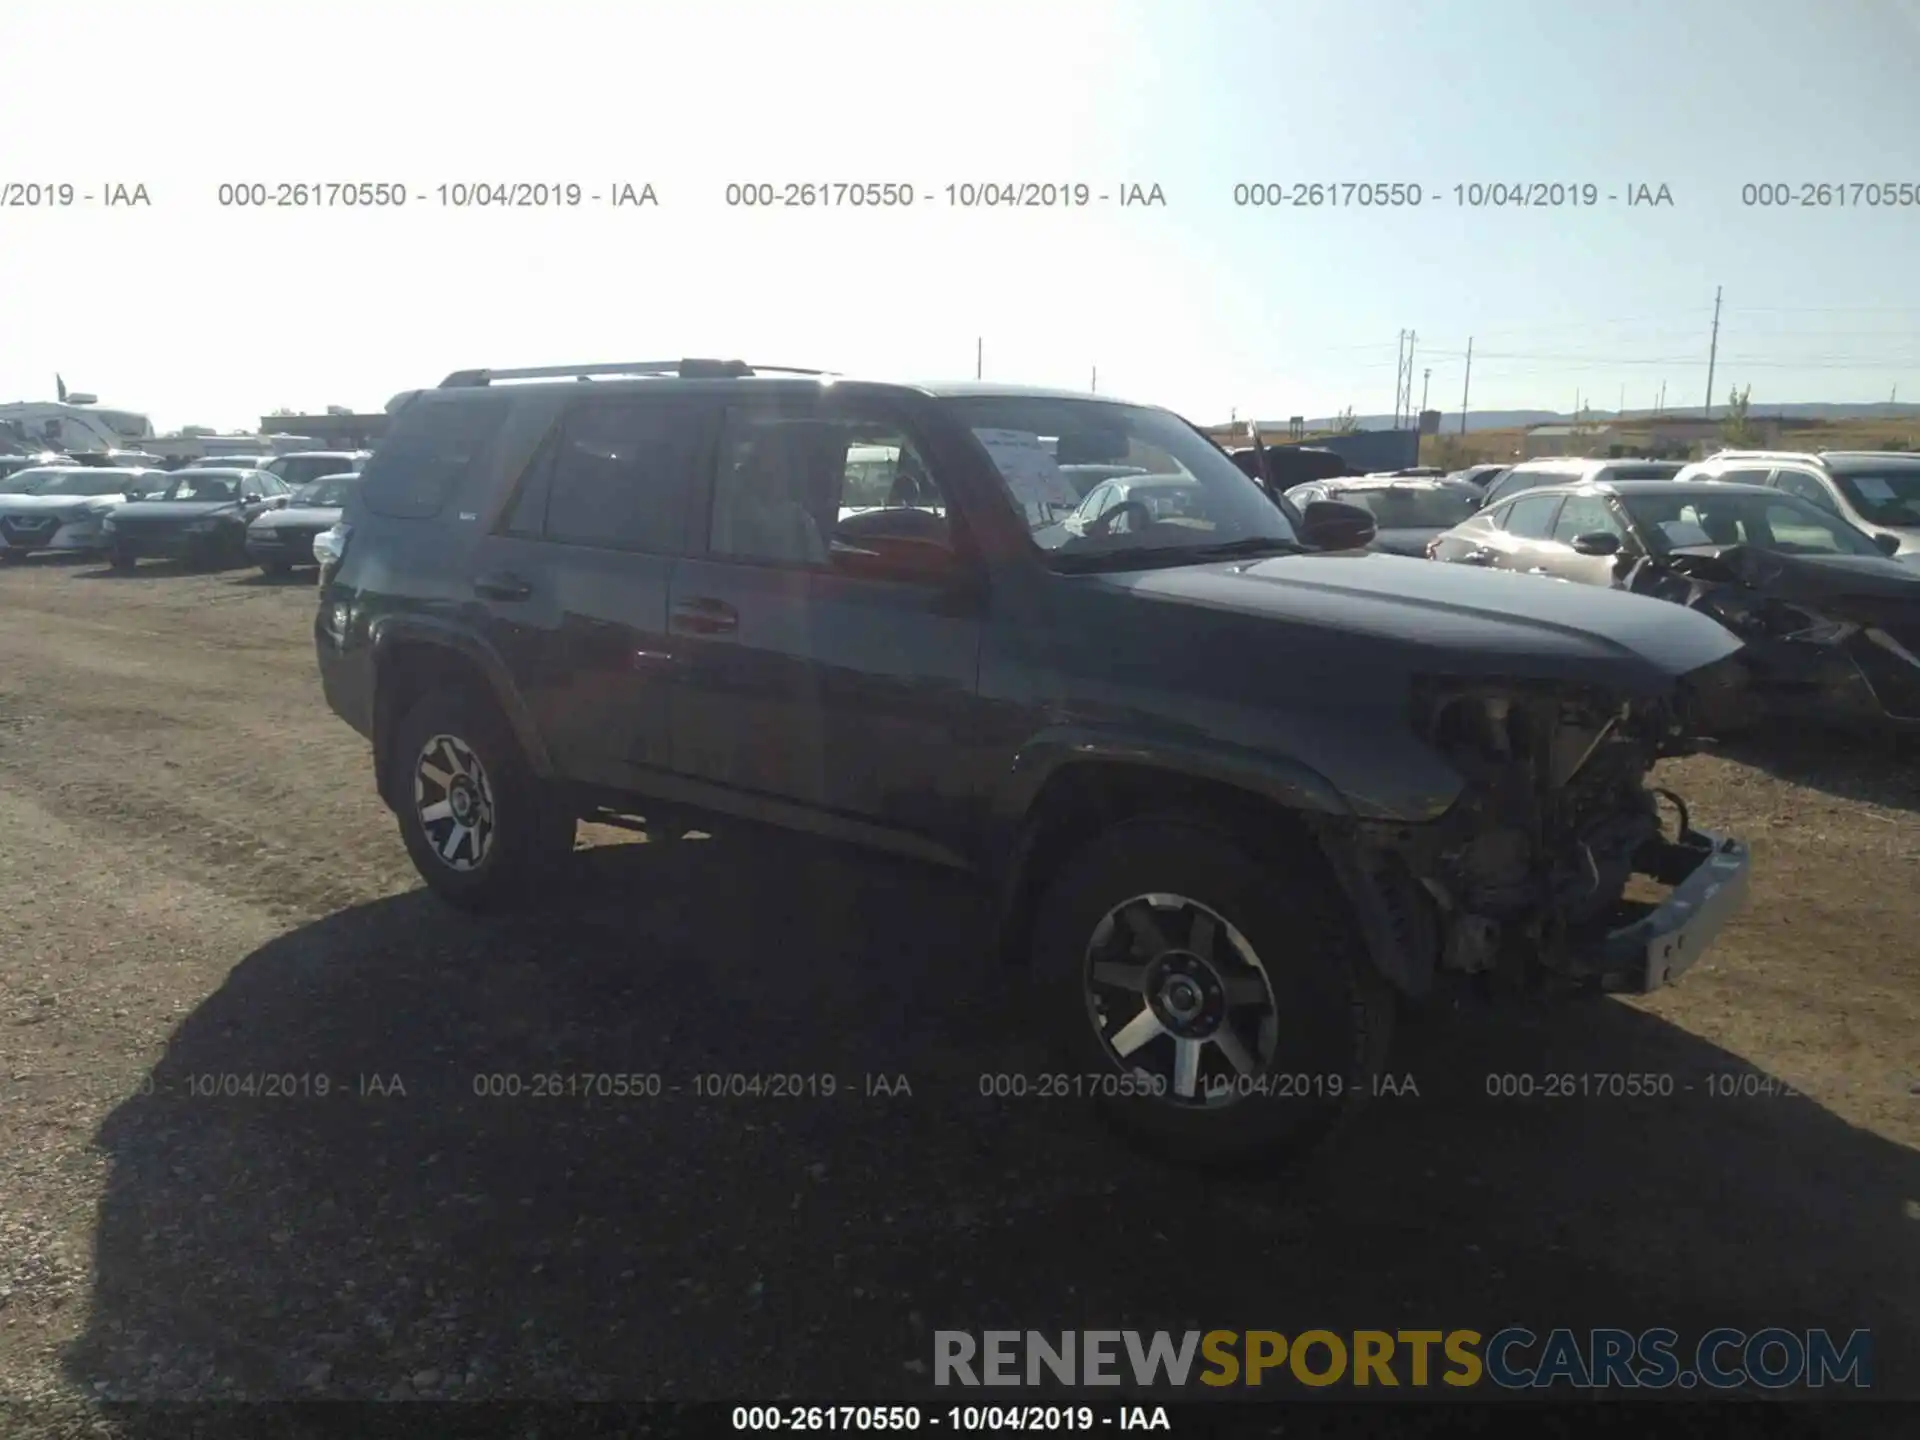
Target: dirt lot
[{"x": 199, "y": 882}]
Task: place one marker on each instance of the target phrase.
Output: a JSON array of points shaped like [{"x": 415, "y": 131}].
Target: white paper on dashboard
[{"x": 1031, "y": 474}]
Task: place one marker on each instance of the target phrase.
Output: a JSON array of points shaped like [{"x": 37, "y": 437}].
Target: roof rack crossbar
[{"x": 689, "y": 369}]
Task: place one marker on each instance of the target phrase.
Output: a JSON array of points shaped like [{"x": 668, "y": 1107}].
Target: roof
[
  {"x": 1574, "y": 463},
  {"x": 1626, "y": 488},
  {"x": 1387, "y": 482}
]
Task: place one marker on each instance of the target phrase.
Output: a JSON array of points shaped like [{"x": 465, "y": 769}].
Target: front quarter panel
[{"x": 1294, "y": 713}]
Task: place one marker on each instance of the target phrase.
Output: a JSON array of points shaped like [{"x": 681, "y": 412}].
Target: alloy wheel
[
  {"x": 1179, "y": 998},
  {"x": 454, "y": 802}
]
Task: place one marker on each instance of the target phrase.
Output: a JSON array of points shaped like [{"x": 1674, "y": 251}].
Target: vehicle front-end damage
[
  {"x": 1535, "y": 878},
  {"x": 1823, "y": 640}
]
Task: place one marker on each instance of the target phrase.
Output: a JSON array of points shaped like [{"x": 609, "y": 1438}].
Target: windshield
[
  {"x": 32, "y": 481},
  {"x": 90, "y": 482},
  {"x": 185, "y": 486},
  {"x": 330, "y": 493},
  {"x": 1767, "y": 522},
  {"x": 304, "y": 469},
  {"x": 1030, "y": 439},
  {"x": 1887, "y": 497},
  {"x": 1409, "y": 507}
]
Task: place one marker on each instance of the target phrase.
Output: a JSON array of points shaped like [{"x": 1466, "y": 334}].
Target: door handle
[
  {"x": 703, "y": 615},
  {"x": 1482, "y": 556},
  {"x": 502, "y": 587}
]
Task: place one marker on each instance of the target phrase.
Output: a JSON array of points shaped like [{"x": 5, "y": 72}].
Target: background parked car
[
  {"x": 1128, "y": 503},
  {"x": 1532, "y": 474},
  {"x": 1878, "y": 491},
  {"x": 1480, "y": 476},
  {"x": 65, "y": 513},
  {"x": 302, "y": 467},
  {"x": 29, "y": 479},
  {"x": 201, "y": 515},
  {"x": 282, "y": 538},
  {"x": 1408, "y": 513},
  {"x": 1831, "y": 623},
  {"x": 11, "y": 465}
]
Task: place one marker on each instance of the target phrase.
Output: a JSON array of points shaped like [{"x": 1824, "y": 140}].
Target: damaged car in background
[{"x": 1831, "y": 623}]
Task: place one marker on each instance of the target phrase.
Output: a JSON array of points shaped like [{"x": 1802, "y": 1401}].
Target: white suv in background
[{"x": 1876, "y": 490}]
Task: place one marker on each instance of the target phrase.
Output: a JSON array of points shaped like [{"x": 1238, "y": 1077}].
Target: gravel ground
[{"x": 199, "y": 885}]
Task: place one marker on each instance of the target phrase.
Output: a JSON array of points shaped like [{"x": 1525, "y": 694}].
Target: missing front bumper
[{"x": 1710, "y": 875}]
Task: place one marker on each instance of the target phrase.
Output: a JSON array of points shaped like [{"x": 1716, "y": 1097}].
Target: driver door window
[
  {"x": 1585, "y": 515},
  {"x": 1803, "y": 485},
  {"x": 1531, "y": 518},
  {"x": 803, "y": 491},
  {"x": 1794, "y": 529}
]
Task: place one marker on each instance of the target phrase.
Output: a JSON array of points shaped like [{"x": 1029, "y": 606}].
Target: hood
[
  {"x": 1405, "y": 542},
  {"x": 1813, "y": 579},
  {"x": 60, "y": 504},
  {"x": 314, "y": 517},
  {"x": 137, "y": 510},
  {"x": 1462, "y": 620}
]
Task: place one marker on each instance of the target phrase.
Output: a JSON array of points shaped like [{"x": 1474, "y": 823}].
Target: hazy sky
[{"x": 201, "y": 314}]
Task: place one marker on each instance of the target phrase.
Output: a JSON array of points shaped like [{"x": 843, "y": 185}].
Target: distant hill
[{"x": 1512, "y": 419}]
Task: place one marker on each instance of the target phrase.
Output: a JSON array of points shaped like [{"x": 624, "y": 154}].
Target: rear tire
[
  {"x": 481, "y": 828},
  {"x": 121, "y": 561},
  {"x": 1261, "y": 960},
  {"x": 275, "y": 568}
]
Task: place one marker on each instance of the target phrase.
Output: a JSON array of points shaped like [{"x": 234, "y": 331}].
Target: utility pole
[
  {"x": 1408, "y": 412},
  {"x": 1466, "y": 386},
  {"x": 1713, "y": 350},
  {"x": 1400, "y": 365},
  {"x": 1426, "y": 380},
  {"x": 979, "y": 355},
  {"x": 1621, "y": 413},
  {"x": 1661, "y": 403},
  {"x": 1094, "y": 384}
]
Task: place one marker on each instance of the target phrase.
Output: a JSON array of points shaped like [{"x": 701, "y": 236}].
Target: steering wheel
[{"x": 1104, "y": 524}]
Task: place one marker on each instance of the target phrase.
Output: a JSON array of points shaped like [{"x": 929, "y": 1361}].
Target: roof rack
[{"x": 688, "y": 369}]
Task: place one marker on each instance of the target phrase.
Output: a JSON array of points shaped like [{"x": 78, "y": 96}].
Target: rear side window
[
  {"x": 1515, "y": 482},
  {"x": 434, "y": 444},
  {"x": 622, "y": 475}
]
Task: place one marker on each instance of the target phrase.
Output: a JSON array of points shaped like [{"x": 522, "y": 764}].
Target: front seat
[{"x": 764, "y": 518}]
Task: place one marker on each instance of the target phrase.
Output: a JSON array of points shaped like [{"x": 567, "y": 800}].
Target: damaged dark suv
[{"x": 1236, "y": 783}]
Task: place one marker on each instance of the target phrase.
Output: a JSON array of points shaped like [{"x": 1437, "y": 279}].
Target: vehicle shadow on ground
[
  {"x": 472, "y": 1211},
  {"x": 163, "y": 569},
  {"x": 303, "y": 577},
  {"x": 1864, "y": 768}
]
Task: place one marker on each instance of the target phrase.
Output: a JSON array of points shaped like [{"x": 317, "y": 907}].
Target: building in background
[{"x": 337, "y": 429}]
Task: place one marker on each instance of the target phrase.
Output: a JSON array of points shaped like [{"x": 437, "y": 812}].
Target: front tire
[
  {"x": 479, "y": 825},
  {"x": 1224, "y": 996}
]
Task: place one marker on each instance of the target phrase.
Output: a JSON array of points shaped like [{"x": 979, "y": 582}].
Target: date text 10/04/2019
[{"x": 992, "y": 1419}]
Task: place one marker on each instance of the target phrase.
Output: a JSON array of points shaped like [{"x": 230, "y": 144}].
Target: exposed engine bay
[
  {"x": 1525, "y": 879},
  {"x": 1821, "y": 640}
]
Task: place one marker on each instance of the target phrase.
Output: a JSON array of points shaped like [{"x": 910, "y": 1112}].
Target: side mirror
[
  {"x": 1600, "y": 542},
  {"x": 1887, "y": 545},
  {"x": 1335, "y": 525}
]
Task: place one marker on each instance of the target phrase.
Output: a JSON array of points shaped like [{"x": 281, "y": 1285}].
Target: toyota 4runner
[{"x": 1238, "y": 785}]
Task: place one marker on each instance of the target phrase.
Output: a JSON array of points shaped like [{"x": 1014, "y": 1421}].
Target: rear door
[
  {"x": 828, "y": 672},
  {"x": 575, "y": 578}
]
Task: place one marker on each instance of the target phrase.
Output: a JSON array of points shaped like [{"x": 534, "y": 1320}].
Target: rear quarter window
[{"x": 435, "y": 444}]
